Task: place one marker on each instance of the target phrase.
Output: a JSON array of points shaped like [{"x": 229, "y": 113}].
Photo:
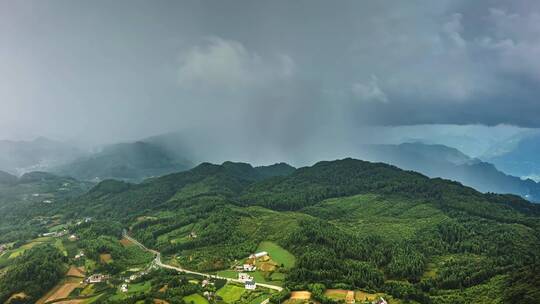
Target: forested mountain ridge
[
  {"x": 450, "y": 163},
  {"x": 349, "y": 223}
]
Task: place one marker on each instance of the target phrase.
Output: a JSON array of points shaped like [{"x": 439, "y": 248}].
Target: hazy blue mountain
[
  {"x": 450, "y": 163},
  {"x": 126, "y": 161},
  {"x": 523, "y": 160},
  {"x": 18, "y": 157},
  {"x": 7, "y": 179}
]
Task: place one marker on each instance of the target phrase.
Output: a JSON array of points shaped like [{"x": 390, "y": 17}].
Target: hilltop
[{"x": 403, "y": 233}]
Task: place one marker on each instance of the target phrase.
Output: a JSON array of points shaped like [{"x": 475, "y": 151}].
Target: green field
[
  {"x": 57, "y": 228},
  {"x": 195, "y": 299},
  {"x": 18, "y": 251},
  {"x": 140, "y": 287},
  {"x": 230, "y": 293},
  {"x": 278, "y": 254}
]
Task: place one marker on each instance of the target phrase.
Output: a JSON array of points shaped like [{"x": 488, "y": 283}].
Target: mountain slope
[
  {"x": 18, "y": 157},
  {"x": 128, "y": 161},
  {"x": 350, "y": 224},
  {"x": 7, "y": 179},
  {"x": 446, "y": 162},
  {"x": 523, "y": 160}
]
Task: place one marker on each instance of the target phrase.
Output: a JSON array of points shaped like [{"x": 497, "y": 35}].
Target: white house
[
  {"x": 244, "y": 277},
  {"x": 250, "y": 285},
  {"x": 258, "y": 255},
  {"x": 124, "y": 288},
  {"x": 97, "y": 278},
  {"x": 80, "y": 255},
  {"x": 249, "y": 267}
]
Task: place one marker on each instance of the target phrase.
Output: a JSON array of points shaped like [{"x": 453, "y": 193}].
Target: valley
[{"x": 344, "y": 230}]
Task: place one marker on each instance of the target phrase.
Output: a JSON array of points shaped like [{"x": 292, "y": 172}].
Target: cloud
[
  {"x": 369, "y": 91},
  {"x": 453, "y": 29},
  {"x": 228, "y": 65},
  {"x": 273, "y": 74},
  {"x": 514, "y": 42}
]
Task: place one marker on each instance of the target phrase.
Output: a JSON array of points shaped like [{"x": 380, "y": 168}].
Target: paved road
[{"x": 158, "y": 262}]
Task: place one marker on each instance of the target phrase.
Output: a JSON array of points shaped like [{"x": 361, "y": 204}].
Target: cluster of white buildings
[
  {"x": 55, "y": 234},
  {"x": 246, "y": 267},
  {"x": 124, "y": 288},
  {"x": 97, "y": 278},
  {"x": 85, "y": 220},
  {"x": 249, "y": 282}
]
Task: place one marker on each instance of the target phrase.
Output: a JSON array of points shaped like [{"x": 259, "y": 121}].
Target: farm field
[
  {"x": 61, "y": 291},
  {"x": 336, "y": 294},
  {"x": 195, "y": 299},
  {"x": 230, "y": 293},
  {"x": 18, "y": 251},
  {"x": 278, "y": 254},
  {"x": 105, "y": 258},
  {"x": 75, "y": 272},
  {"x": 140, "y": 287}
]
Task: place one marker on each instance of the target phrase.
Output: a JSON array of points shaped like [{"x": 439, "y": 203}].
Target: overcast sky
[{"x": 268, "y": 74}]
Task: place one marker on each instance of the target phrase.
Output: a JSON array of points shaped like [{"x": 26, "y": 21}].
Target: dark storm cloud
[{"x": 269, "y": 76}]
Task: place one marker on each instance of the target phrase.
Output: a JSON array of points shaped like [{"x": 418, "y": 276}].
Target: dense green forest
[
  {"x": 350, "y": 224},
  {"x": 33, "y": 273}
]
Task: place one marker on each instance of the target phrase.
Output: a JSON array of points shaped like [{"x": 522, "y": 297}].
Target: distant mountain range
[
  {"x": 523, "y": 160},
  {"x": 160, "y": 155},
  {"x": 126, "y": 161},
  {"x": 19, "y": 157},
  {"x": 450, "y": 163}
]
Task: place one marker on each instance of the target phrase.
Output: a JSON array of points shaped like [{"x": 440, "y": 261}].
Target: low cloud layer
[{"x": 270, "y": 77}]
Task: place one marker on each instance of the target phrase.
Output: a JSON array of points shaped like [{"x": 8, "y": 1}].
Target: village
[{"x": 249, "y": 273}]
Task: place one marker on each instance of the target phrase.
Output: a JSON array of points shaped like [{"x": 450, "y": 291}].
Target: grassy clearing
[
  {"x": 105, "y": 258},
  {"x": 278, "y": 254},
  {"x": 361, "y": 295},
  {"x": 230, "y": 293},
  {"x": 18, "y": 251},
  {"x": 141, "y": 287},
  {"x": 195, "y": 299},
  {"x": 228, "y": 274},
  {"x": 336, "y": 294},
  {"x": 57, "y": 228}
]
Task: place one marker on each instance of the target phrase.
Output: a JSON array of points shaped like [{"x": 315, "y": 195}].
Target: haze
[{"x": 278, "y": 80}]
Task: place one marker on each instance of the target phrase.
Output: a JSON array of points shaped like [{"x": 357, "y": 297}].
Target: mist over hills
[
  {"x": 523, "y": 160},
  {"x": 450, "y": 163},
  {"x": 18, "y": 157},
  {"x": 169, "y": 153},
  {"x": 126, "y": 161}
]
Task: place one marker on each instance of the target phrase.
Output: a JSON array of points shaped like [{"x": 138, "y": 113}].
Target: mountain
[
  {"x": 34, "y": 193},
  {"x": 450, "y": 163},
  {"x": 125, "y": 161},
  {"x": 279, "y": 169},
  {"x": 345, "y": 224},
  {"x": 7, "y": 179},
  {"x": 523, "y": 160},
  {"x": 18, "y": 157}
]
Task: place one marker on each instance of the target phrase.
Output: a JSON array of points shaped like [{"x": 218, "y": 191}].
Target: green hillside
[
  {"x": 349, "y": 224},
  {"x": 345, "y": 224}
]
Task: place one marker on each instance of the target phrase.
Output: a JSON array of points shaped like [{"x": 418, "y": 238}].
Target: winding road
[{"x": 158, "y": 262}]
